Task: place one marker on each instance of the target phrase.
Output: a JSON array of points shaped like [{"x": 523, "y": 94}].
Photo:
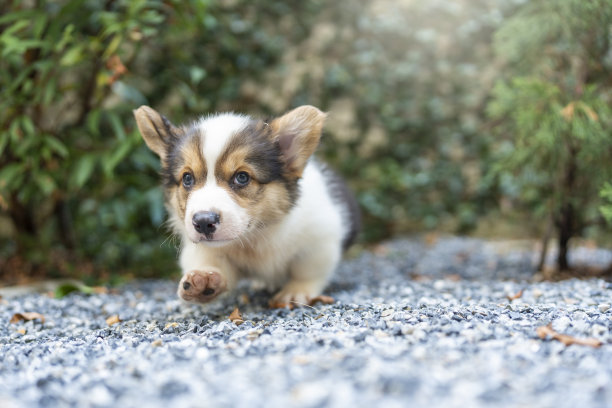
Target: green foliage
[
  {"x": 420, "y": 124},
  {"x": 606, "y": 208},
  {"x": 63, "y": 151},
  {"x": 554, "y": 110},
  {"x": 405, "y": 84},
  {"x": 76, "y": 181}
]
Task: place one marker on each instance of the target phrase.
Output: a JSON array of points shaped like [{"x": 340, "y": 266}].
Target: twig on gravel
[
  {"x": 27, "y": 316},
  {"x": 301, "y": 304},
  {"x": 236, "y": 317},
  {"x": 517, "y": 295},
  {"x": 544, "y": 331},
  {"x": 114, "y": 319}
]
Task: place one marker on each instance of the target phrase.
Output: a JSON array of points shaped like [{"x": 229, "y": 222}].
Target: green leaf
[
  {"x": 24, "y": 15},
  {"x": 27, "y": 125},
  {"x": 116, "y": 157},
  {"x": 93, "y": 122},
  {"x": 72, "y": 57},
  {"x": 112, "y": 46},
  {"x": 57, "y": 146},
  {"x": 117, "y": 126},
  {"x": 9, "y": 173},
  {"x": 4, "y": 139},
  {"x": 197, "y": 74},
  {"x": 46, "y": 184},
  {"x": 83, "y": 170},
  {"x": 129, "y": 93},
  {"x": 67, "y": 288}
]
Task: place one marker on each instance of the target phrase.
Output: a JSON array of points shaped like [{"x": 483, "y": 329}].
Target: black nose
[{"x": 205, "y": 222}]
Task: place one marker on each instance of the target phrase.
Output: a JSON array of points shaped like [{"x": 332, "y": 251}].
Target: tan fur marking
[
  {"x": 193, "y": 162},
  {"x": 266, "y": 203},
  {"x": 272, "y": 206},
  {"x": 232, "y": 163}
]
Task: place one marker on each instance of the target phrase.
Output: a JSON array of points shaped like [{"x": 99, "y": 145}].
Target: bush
[
  {"x": 606, "y": 208},
  {"x": 406, "y": 84},
  {"x": 76, "y": 182},
  {"x": 554, "y": 110},
  {"x": 416, "y": 124}
]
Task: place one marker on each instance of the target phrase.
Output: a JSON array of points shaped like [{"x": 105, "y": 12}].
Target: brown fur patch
[
  {"x": 272, "y": 204},
  {"x": 187, "y": 159},
  {"x": 266, "y": 201}
]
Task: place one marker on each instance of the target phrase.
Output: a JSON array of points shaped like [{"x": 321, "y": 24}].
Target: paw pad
[{"x": 201, "y": 287}]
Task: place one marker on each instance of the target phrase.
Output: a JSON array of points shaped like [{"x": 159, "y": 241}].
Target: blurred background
[{"x": 482, "y": 117}]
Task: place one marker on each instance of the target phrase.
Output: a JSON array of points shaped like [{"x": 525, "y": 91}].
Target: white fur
[
  {"x": 211, "y": 197},
  {"x": 216, "y": 131}
]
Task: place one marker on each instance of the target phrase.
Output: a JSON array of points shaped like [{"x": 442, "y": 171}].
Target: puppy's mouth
[{"x": 210, "y": 239}]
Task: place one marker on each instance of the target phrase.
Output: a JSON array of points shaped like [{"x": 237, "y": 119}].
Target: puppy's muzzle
[{"x": 205, "y": 222}]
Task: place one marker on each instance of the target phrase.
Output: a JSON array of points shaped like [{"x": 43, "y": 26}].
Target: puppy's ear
[
  {"x": 298, "y": 133},
  {"x": 157, "y": 131}
]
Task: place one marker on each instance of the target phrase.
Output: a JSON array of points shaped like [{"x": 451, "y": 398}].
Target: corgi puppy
[{"x": 249, "y": 201}]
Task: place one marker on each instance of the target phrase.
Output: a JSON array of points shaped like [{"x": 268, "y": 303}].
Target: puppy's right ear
[{"x": 157, "y": 131}]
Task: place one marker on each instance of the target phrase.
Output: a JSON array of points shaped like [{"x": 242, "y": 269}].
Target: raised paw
[{"x": 201, "y": 287}]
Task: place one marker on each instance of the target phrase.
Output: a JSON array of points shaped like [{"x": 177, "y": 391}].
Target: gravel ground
[{"x": 414, "y": 324}]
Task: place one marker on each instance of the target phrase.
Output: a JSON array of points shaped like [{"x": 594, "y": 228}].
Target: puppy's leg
[
  {"x": 309, "y": 274},
  {"x": 204, "y": 277}
]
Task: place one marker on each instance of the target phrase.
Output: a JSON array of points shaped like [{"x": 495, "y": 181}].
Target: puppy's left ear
[{"x": 298, "y": 133}]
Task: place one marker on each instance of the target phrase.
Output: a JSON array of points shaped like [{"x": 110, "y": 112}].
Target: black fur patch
[
  {"x": 341, "y": 194},
  {"x": 264, "y": 154}
]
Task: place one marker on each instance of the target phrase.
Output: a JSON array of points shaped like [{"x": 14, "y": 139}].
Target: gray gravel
[{"x": 414, "y": 325}]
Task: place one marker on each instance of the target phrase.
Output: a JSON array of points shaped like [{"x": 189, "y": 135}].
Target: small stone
[
  {"x": 439, "y": 285},
  {"x": 598, "y": 330},
  {"x": 603, "y": 307},
  {"x": 561, "y": 324}
]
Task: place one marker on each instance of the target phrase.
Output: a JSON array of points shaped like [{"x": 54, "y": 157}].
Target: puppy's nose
[{"x": 205, "y": 222}]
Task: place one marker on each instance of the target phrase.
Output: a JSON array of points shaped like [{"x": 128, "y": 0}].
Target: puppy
[{"x": 248, "y": 201}]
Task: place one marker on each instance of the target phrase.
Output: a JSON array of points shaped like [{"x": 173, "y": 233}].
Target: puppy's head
[{"x": 228, "y": 175}]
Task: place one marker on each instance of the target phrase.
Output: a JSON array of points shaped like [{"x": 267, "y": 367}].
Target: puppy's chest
[{"x": 265, "y": 261}]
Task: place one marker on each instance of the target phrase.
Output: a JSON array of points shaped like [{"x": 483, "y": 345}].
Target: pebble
[
  {"x": 561, "y": 324},
  {"x": 388, "y": 340}
]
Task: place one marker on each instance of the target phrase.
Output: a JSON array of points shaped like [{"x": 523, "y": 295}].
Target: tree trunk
[
  {"x": 566, "y": 219},
  {"x": 22, "y": 217},
  {"x": 544, "y": 252},
  {"x": 64, "y": 220},
  {"x": 566, "y": 232}
]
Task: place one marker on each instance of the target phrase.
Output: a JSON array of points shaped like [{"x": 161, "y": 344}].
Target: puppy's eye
[
  {"x": 188, "y": 180},
  {"x": 242, "y": 178}
]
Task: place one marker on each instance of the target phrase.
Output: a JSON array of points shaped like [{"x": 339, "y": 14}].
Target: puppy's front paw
[
  {"x": 296, "y": 294},
  {"x": 201, "y": 286}
]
